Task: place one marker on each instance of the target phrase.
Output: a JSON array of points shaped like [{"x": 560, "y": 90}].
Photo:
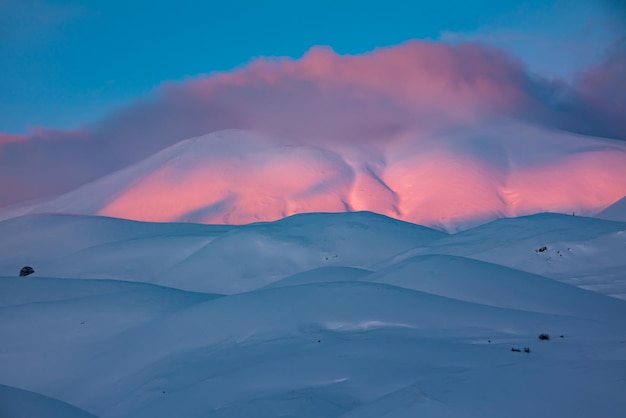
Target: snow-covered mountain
[
  {"x": 315, "y": 315},
  {"x": 451, "y": 180},
  {"x": 291, "y": 278}
]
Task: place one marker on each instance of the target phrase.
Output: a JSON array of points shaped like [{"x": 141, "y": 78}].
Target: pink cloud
[
  {"x": 329, "y": 95},
  {"x": 603, "y": 91},
  {"x": 9, "y": 138},
  {"x": 45, "y": 163},
  {"x": 421, "y": 88}
]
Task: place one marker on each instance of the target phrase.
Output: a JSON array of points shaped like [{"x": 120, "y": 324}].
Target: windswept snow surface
[
  {"x": 615, "y": 212},
  {"x": 315, "y": 315},
  {"x": 451, "y": 180},
  {"x": 17, "y": 403}
]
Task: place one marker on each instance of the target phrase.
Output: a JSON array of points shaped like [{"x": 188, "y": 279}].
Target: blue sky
[{"x": 68, "y": 63}]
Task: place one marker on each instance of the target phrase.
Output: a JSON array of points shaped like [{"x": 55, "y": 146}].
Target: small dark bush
[
  {"x": 26, "y": 270},
  {"x": 526, "y": 349},
  {"x": 516, "y": 350},
  {"x": 544, "y": 337},
  {"x": 541, "y": 249}
]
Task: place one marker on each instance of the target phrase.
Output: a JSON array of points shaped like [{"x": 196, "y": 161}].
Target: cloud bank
[{"x": 422, "y": 88}]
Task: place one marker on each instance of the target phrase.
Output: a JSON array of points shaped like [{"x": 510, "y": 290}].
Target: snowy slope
[
  {"x": 615, "y": 212},
  {"x": 585, "y": 252},
  {"x": 315, "y": 315},
  {"x": 466, "y": 279},
  {"x": 452, "y": 181},
  {"x": 17, "y": 403},
  {"x": 215, "y": 259},
  {"x": 311, "y": 350}
]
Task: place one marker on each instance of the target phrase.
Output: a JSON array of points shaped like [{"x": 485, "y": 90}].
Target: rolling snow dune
[
  {"x": 48, "y": 289},
  {"x": 214, "y": 259},
  {"x": 17, "y": 403},
  {"x": 321, "y": 275},
  {"x": 264, "y": 353},
  {"x": 315, "y": 315},
  {"x": 585, "y": 252},
  {"x": 451, "y": 181},
  {"x": 466, "y": 279},
  {"x": 46, "y": 238}
]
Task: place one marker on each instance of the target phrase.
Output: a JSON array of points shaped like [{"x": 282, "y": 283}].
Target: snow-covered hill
[
  {"x": 615, "y": 212},
  {"x": 207, "y": 258},
  {"x": 585, "y": 252},
  {"x": 451, "y": 180},
  {"x": 315, "y": 315}
]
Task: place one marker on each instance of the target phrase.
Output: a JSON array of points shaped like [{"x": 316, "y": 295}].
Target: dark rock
[{"x": 26, "y": 270}]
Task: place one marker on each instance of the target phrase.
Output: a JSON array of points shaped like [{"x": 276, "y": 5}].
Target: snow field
[{"x": 316, "y": 315}]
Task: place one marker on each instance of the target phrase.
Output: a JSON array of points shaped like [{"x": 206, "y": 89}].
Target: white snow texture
[
  {"x": 314, "y": 315},
  {"x": 268, "y": 305}
]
